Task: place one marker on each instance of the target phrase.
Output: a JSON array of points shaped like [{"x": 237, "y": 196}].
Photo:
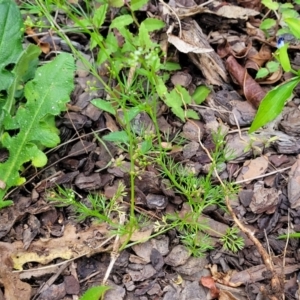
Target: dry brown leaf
[
  {"x": 209, "y": 282},
  {"x": 233, "y": 11},
  {"x": 252, "y": 90},
  {"x": 14, "y": 288},
  {"x": 236, "y": 48},
  {"x": 226, "y": 295},
  {"x": 253, "y": 168},
  {"x": 185, "y": 47},
  {"x": 45, "y": 47},
  {"x": 72, "y": 244},
  {"x": 263, "y": 56}
]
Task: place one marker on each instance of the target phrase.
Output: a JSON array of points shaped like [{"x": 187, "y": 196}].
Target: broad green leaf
[
  {"x": 294, "y": 25},
  {"x": 47, "y": 95},
  {"x": 152, "y": 24},
  {"x": 191, "y": 114},
  {"x": 116, "y": 3},
  {"x": 121, "y": 21},
  {"x": 267, "y": 24},
  {"x": 137, "y": 4},
  {"x": 283, "y": 58},
  {"x": 286, "y": 6},
  {"x": 170, "y": 66},
  {"x": 99, "y": 15},
  {"x": 104, "y": 105},
  {"x": 200, "y": 94},
  {"x": 144, "y": 38},
  {"x": 117, "y": 137},
  {"x": 146, "y": 146},
  {"x": 289, "y": 13},
  {"x": 131, "y": 113},
  {"x": 270, "y": 4},
  {"x": 94, "y": 293},
  {"x": 272, "y": 66},
  {"x": 262, "y": 72},
  {"x": 10, "y": 39},
  {"x": 272, "y": 104}
]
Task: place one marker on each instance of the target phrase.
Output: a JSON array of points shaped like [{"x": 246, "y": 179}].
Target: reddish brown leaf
[
  {"x": 45, "y": 47},
  {"x": 208, "y": 282},
  {"x": 252, "y": 90}
]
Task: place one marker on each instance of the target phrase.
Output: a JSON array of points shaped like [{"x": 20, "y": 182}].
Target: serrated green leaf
[
  {"x": 272, "y": 104},
  {"x": 99, "y": 15},
  {"x": 161, "y": 88},
  {"x": 173, "y": 100},
  {"x": 144, "y": 38},
  {"x": 191, "y": 114},
  {"x": 10, "y": 39},
  {"x": 184, "y": 95},
  {"x": 117, "y": 137},
  {"x": 152, "y": 24},
  {"x": 47, "y": 95},
  {"x": 24, "y": 64},
  {"x": 200, "y": 94},
  {"x": 267, "y": 24},
  {"x": 121, "y": 21},
  {"x": 137, "y": 4},
  {"x": 294, "y": 25},
  {"x": 104, "y": 105},
  {"x": 95, "y": 292}
]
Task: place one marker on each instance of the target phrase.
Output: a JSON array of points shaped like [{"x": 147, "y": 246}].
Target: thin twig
[{"x": 115, "y": 251}]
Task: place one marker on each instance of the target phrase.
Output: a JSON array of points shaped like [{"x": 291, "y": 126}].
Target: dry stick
[
  {"x": 115, "y": 251},
  {"x": 276, "y": 282},
  {"x": 174, "y": 13},
  {"x": 286, "y": 245}
]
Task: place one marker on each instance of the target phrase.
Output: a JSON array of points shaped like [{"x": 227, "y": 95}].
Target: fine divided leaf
[{"x": 47, "y": 95}]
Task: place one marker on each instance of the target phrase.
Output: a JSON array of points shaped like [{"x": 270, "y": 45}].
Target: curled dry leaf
[
  {"x": 236, "y": 48},
  {"x": 263, "y": 56},
  {"x": 209, "y": 282},
  {"x": 252, "y": 90},
  {"x": 185, "y": 47}
]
